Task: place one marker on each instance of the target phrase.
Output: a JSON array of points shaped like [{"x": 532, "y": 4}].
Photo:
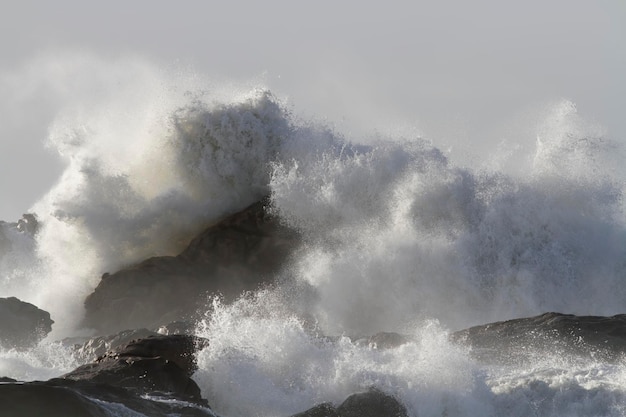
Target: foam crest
[
  {"x": 574, "y": 390},
  {"x": 396, "y": 233},
  {"x": 151, "y": 159}
]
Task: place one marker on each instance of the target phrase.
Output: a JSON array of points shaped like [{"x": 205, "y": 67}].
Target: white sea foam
[{"x": 397, "y": 232}]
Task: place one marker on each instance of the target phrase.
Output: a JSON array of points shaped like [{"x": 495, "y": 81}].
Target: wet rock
[
  {"x": 240, "y": 253},
  {"x": 373, "y": 403},
  {"x": 157, "y": 365},
  {"x": 65, "y": 398},
  {"x": 42, "y": 399},
  {"x": 149, "y": 376},
  {"x": 22, "y": 325},
  {"x": 28, "y": 224},
  {"x": 177, "y": 327},
  {"x": 321, "y": 410},
  {"x": 528, "y": 339},
  {"x": 90, "y": 349}
]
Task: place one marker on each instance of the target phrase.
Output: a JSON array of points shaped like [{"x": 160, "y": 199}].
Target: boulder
[
  {"x": 525, "y": 340},
  {"x": 64, "y": 397},
  {"x": 238, "y": 254},
  {"x": 43, "y": 399},
  {"x": 372, "y": 403},
  {"x": 157, "y": 365},
  {"x": 149, "y": 376},
  {"x": 320, "y": 410},
  {"x": 22, "y": 325},
  {"x": 90, "y": 349}
]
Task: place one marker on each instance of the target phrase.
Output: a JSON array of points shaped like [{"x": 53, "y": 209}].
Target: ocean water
[{"x": 400, "y": 236}]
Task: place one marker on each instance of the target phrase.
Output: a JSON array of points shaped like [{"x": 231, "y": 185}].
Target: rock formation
[
  {"x": 240, "y": 253},
  {"x": 523, "y": 340},
  {"x": 155, "y": 365},
  {"x": 22, "y": 325},
  {"x": 373, "y": 403},
  {"x": 149, "y": 376}
]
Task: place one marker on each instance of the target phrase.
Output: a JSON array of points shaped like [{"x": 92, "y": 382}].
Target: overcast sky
[{"x": 452, "y": 70}]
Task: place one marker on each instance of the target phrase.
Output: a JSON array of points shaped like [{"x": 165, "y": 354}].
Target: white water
[{"x": 399, "y": 237}]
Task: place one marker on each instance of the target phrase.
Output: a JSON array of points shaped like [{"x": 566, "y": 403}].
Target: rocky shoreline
[
  {"x": 151, "y": 373},
  {"x": 139, "y": 364}
]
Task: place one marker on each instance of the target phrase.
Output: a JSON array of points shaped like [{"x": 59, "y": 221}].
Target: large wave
[
  {"x": 398, "y": 236},
  {"x": 395, "y": 231}
]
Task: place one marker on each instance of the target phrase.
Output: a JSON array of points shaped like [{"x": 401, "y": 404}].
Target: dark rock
[
  {"x": 528, "y": 339},
  {"x": 321, "y": 410},
  {"x": 238, "y": 254},
  {"x": 40, "y": 399},
  {"x": 90, "y": 349},
  {"x": 148, "y": 376},
  {"x": 22, "y": 325},
  {"x": 373, "y": 403},
  {"x": 177, "y": 327},
  {"x": 65, "y": 398},
  {"x": 28, "y": 224},
  {"x": 158, "y": 365}
]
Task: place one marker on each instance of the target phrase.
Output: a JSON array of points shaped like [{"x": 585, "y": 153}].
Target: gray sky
[{"x": 456, "y": 71}]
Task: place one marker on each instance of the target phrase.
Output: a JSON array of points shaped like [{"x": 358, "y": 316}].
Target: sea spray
[
  {"x": 397, "y": 237},
  {"x": 141, "y": 182},
  {"x": 264, "y": 360},
  {"x": 44, "y": 361},
  {"x": 398, "y": 232}
]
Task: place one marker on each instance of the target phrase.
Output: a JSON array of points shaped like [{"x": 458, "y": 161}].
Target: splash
[{"x": 397, "y": 237}]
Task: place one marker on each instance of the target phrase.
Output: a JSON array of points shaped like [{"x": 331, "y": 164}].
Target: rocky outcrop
[
  {"x": 64, "y": 398},
  {"x": 527, "y": 339},
  {"x": 240, "y": 253},
  {"x": 373, "y": 403},
  {"x": 150, "y": 376},
  {"x": 88, "y": 350},
  {"x": 157, "y": 365},
  {"x": 22, "y": 325}
]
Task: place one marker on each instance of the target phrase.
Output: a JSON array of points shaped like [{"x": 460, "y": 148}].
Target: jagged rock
[
  {"x": 373, "y": 403},
  {"x": 527, "y": 339},
  {"x": 90, "y": 349},
  {"x": 65, "y": 398},
  {"x": 149, "y": 376},
  {"x": 177, "y": 327},
  {"x": 320, "y": 410},
  {"x": 42, "y": 399},
  {"x": 28, "y": 224},
  {"x": 157, "y": 365},
  {"x": 22, "y": 325},
  {"x": 240, "y": 253}
]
